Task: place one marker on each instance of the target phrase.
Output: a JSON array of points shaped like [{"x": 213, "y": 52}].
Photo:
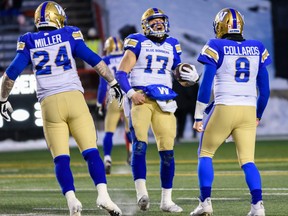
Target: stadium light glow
[{"x": 20, "y": 115}]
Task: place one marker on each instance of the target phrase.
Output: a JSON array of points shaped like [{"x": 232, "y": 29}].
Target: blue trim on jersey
[
  {"x": 264, "y": 91},
  {"x": 102, "y": 89},
  {"x": 86, "y": 54},
  {"x": 16, "y": 67},
  {"x": 206, "y": 85},
  {"x": 121, "y": 77}
]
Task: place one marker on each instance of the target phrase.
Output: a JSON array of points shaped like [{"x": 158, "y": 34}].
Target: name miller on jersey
[
  {"x": 250, "y": 50},
  {"x": 48, "y": 41}
]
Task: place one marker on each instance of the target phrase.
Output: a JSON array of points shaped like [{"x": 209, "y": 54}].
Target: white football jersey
[
  {"x": 51, "y": 54},
  {"x": 155, "y": 62}
]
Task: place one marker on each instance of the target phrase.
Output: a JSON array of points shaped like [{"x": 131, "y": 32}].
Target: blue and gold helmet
[
  {"x": 49, "y": 14},
  {"x": 150, "y": 14},
  {"x": 113, "y": 46},
  {"x": 228, "y": 21}
]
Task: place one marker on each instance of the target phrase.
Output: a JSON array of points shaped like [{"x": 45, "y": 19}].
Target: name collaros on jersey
[{"x": 249, "y": 50}]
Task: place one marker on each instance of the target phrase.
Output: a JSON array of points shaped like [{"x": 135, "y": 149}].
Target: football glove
[
  {"x": 6, "y": 110},
  {"x": 189, "y": 75},
  {"x": 99, "y": 109},
  {"x": 116, "y": 92}
]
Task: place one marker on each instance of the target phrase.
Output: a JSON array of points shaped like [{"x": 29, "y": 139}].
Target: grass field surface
[{"x": 28, "y": 185}]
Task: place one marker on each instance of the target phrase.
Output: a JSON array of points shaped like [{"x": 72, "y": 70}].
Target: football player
[
  {"x": 113, "y": 49},
  {"x": 150, "y": 58},
  {"x": 51, "y": 51},
  {"x": 238, "y": 69}
]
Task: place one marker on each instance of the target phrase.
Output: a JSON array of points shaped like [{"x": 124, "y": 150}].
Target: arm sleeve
[
  {"x": 263, "y": 89},
  {"x": 206, "y": 85},
  {"x": 18, "y": 64},
  {"x": 204, "y": 91},
  {"x": 86, "y": 54},
  {"x": 122, "y": 79},
  {"x": 102, "y": 89}
]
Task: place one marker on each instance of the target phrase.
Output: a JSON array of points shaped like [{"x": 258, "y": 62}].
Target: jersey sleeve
[
  {"x": 177, "y": 51},
  {"x": 209, "y": 54},
  {"x": 265, "y": 57},
  {"x": 22, "y": 45},
  {"x": 133, "y": 43},
  {"x": 80, "y": 49}
]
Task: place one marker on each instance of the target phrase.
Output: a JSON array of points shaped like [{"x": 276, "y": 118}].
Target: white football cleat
[
  {"x": 203, "y": 209},
  {"x": 75, "y": 207},
  {"x": 144, "y": 203},
  {"x": 170, "y": 207},
  {"x": 109, "y": 206},
  {"x": 257, "y": 209}
]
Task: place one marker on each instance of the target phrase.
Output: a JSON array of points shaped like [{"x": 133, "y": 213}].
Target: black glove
[
  {"x": 6, "y": 110},
  {"x": 116, "y": 92}
]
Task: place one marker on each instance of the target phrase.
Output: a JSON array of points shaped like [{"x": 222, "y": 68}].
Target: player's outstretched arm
[{"x": 103, "y": 70}]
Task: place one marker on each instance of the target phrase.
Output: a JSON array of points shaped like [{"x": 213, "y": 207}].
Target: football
[{"x": 177, "y": 73}]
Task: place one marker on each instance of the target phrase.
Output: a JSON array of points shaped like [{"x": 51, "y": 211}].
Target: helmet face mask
[
  {"x": 150, "y": 14},
  {"x": 49, "y": 14},
  {"x": 228, "y": 21},
  {"x": 113, "y": 46}
]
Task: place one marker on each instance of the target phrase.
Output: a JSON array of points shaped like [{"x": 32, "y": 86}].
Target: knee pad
[
  {"x": 139, "y": 148},
  {"x": 167, "y": 157}
]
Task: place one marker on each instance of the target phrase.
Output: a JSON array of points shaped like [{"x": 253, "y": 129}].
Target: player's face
[{"x": 157, "y": 24}]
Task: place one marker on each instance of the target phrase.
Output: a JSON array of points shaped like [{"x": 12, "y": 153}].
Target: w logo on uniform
[{"x": 163, "y": 90}]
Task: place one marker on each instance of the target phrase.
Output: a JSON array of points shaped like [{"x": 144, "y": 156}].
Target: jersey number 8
[{"x": 242, "y": 70}]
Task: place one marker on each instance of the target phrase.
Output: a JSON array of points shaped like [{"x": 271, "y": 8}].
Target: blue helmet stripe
[
  {"x": 234, "y": 18},
  {"x": 155, "y": 10},
  {"x": 116, "y": 44},
  {"x": 42, "y": 14}
]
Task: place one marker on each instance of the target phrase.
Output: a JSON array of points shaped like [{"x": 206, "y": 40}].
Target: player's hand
[
  {"x": 257, "y": 122},
  {"x": 198, "y": 126},
  {"x": 189, "y": 75},
  {"x": 138, "y": 98},
  {"x": 6, "y": 110},
  {"x": 99, "y": 109},
  {"x": 116, "y": 92}
]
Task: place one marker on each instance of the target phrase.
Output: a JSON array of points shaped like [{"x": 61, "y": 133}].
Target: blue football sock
[
  {"x": 253, "y": 180},
  {"x": 63, "y": 173},
  {"x": 108, "y": 143},
  {"x": 205, "y": 177},
  {"x": 138, "y": 162},
  {"x": 95, "y": 165},
  {"x": 167, "y": 168}
]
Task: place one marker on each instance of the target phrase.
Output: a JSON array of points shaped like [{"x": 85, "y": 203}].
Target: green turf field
[{"x": 28, "y": 185}]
